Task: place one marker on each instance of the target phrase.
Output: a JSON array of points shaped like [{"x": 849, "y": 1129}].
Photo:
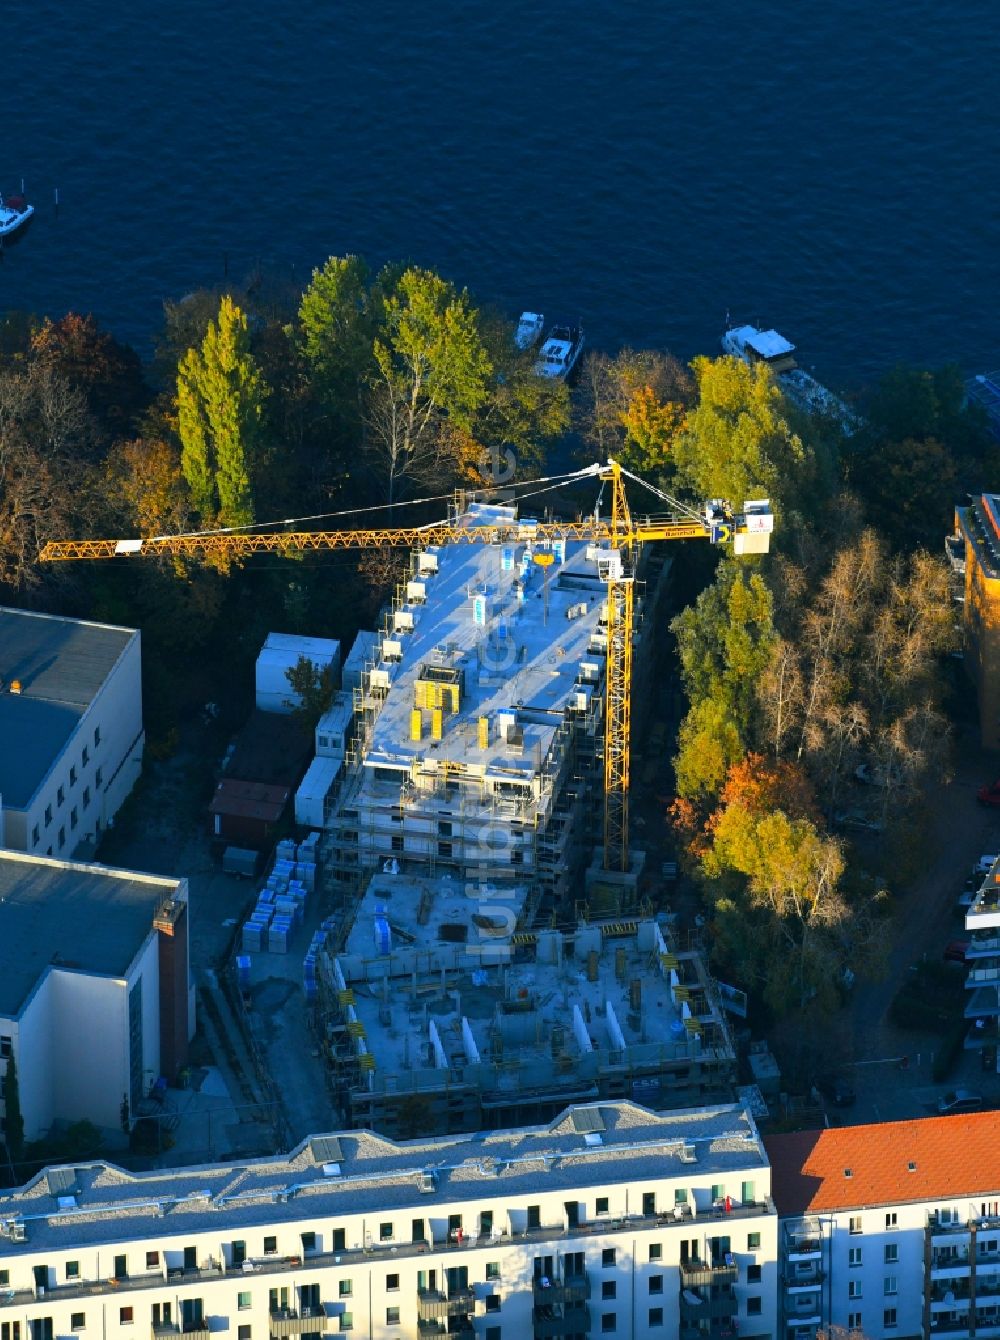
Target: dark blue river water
[{"x": 831, "y": 169}]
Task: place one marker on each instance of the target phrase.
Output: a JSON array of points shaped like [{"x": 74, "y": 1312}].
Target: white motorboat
[
  {"x": 559, "y": 354},
  {"x": 768, "y": 346},
  {"x": 15, "y": 214},
  {"x": 529, "y": 330}
]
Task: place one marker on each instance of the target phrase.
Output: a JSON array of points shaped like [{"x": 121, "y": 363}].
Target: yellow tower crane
[{"x": 619, "y": 534}]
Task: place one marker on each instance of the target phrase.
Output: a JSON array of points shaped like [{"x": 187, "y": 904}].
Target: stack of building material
[{"x": 309, "y": 965}]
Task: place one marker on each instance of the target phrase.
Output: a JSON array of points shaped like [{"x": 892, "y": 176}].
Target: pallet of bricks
[
  {"x": 316, "y": 946},
  {"x": 281, "y": 903}
]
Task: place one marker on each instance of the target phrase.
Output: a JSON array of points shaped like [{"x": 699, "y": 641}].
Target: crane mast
[{"x": 620, "y": 533}]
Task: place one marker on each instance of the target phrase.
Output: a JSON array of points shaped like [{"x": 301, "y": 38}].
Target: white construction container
[
  {"x": 316, "y": 785},
  {"x": 334, "y": 727},
  {"x": 280, "y": 653}
]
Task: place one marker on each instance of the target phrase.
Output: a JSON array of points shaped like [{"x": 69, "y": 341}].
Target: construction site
[{"x": 491, "y": 948}]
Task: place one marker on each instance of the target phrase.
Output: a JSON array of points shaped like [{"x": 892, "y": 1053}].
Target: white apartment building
[
  {"x": 71, "y": 735},
  {"x": 890, "y": 1229},
  {"x": 610, "y": 1221},
  {"x": 95, "y": 997},
  {"x": 982, "y": 958}
]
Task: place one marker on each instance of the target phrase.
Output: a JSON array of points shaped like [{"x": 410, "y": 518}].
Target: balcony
[
  {"x": 191, "y": 1330},
  {"x": 697, "y": 1307},
  {"x": 702, "y": 1274},
  {"x": 548, "y": 1323},
  {"x": 560, "y": 1292},
  {"x": 285, "y": 1322},
  {"x": 432, "y": 1305}
]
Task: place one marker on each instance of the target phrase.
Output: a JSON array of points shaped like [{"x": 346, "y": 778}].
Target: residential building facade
[
  {"x": 891, "y": 1229},
  {"x": 611, "y": 1221}
]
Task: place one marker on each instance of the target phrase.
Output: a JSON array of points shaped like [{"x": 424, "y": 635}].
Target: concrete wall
[{"x": 88, "y": 1047}]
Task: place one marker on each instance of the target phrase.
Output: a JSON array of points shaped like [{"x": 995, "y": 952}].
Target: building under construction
[
  {"x": 439, "y": 1014},
  {"x": 480, "y": 717}
]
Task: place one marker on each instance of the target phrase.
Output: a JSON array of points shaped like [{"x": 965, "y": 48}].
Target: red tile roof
[{"x": 953, "y": 1156}]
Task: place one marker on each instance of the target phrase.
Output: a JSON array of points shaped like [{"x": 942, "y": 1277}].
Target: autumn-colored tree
[
  {"x": 108, "y": 373},
  {"x": 145, "y": 476},
  {"x": 634, "y": 405}
]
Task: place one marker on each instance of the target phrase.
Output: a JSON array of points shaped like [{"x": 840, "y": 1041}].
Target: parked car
[
  {"x": 989, "y": 795},
  {"x": 959, "y": 1100},
  {"x": 857, "y": 819},
  {"x": 837, "y": 1089},
  {"x": 955, "y": 951}
]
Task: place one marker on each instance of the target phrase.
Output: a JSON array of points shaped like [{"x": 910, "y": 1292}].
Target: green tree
[
  {"x": 315, "y": 686},
  {"x": 737, "y": 443},
  {"x": 431, "y": 369},
  {"x": 220, "y": 397},
  {"x": 14, "y": 1118},
  {"x": 336, "y": 331}
]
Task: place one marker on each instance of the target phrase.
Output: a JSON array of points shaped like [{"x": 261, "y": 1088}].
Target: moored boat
[
  {"x": 803, "y": 390},
  {"x": 529, "y": 330},
  {"x": 561, "y": 351},
  {"x": 15, "y": 215}
]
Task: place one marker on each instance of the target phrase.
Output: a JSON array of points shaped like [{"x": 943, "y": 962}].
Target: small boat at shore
[
  {"x": 15, "y": 215},
  {"x": 560, "y": 353},
  {"x": 768, "y": 346},
  {"x": 529, "y": 330}
]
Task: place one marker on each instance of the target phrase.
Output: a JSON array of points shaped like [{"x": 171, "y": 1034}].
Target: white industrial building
[
  {"x": 610, "y": 1221},
  {"x": 95, "y": 997},
  {"x": 71, "y": 735},
  {"x": 892, "y": 1230},
  {"x": 480, "y": 717}
]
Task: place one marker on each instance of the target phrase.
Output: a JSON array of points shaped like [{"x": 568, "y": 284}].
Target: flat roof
[
  {"x": 377, "y": 1174},
  {"x": 980, "y": 525},
  {"x": 249, "y": 800},
  {"x": 68, "y": 915},
  {"x": 519, "y": 656},
  {"x": 61, "y": 665}
]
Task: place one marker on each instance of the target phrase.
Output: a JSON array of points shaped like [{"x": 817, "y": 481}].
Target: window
[
  {"x": 753, "y": 1242},
  {"x": 492, "y": 1270},
  {"x": 10, "y": 1330},
  {"x": 347, "y": 1321},
  {"x": 444, "y": 851},
  {"x": 656, "y": 1284},
  {"x": 62, "y": 837},
  {"x": 391, "y": 1283},
  {"x": 492, "y": 1333},
  {"x": 48, "y": 815},
  {"x": 492, "y": 1301},
  {"x": 384, "y": 1232},
  {"x": 97, "y": 736},
  {"x": 85, "y": 756},
  {"x": 270, "y": 1246},
  {"x": 392, "y": 1316},
  {"x": 718, "y": 1191},
  {"x": 534, "y": 1216},
  {"x": 855, "y": 1223},
  {"x": 854, "y": 1257},
  {"x": 345, "y": 1288},
  {"x": 608, "y": 1257},
  {"x": 747, "y": 1193},
  {"x": 77, "y": 1321},
  {"x": 889, "y": 1286},
  {"x": 4, "y": 1274},
  {"x": 890, "y": 1219},
  {"x": 602, "y": 1204},
  {"x": 86, "y": 796},
  {"x": 36, "y": 836},
  {"x": 854, "y": 1289},
  {"x": 444, "y": 828},
  {"x": 609, "y": 1289},
  {"x": 243, "y": 1333},
  {"x": 754, "y": 1305},
  {"x": 609, "y": 1322},
  {"x": 649, "y": 1202},
  {"x": 656, "y": 1251},
  {"x": 152, "y": 1260},
  {"x": 125, "y": 1316},
  {"x": 74, "y": 817},
  {"x": 656, "y": 1316},
  {"x": 854, "y": 1321},
  {"x": 72, "y": 776},
  {"x": 244, "y": 1300},
  {"x": 72, "y": 1270},
  {"x": 397, "y": 842},
  {"x": 309, "y": 1241},
  {"x": 891, "y": 1253},
  {"x": 753, "y": 1274},
  {"x": 99, "y": 777},
  {"x": 889, "y": 1318},
  {"x": 680, "y": 1196}
]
